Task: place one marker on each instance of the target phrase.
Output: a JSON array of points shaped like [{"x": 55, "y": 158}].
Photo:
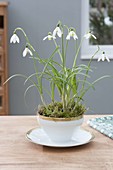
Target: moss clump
[{"x": 56, "y": 110}]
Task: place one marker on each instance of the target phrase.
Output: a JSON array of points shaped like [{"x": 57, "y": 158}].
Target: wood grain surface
[{"x": 17, "y": 153}]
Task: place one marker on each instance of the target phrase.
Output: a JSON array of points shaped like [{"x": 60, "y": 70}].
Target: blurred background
[{"x": 101, "y": 21}]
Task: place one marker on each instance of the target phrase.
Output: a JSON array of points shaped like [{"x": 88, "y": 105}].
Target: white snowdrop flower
[
  {"x": 89, "y": 35},
  {"x": 71, "y": 33},
  {"x": 103, "y": 57},
  {"x": 49, "y": 37},
  {"x": 14, "y": 38},
  {"x": 57, "y": 31},
  {"x": 27, "y": 51},
  {"x": 107, "y": 21}
]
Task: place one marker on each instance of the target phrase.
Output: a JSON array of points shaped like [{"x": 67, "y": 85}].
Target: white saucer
[{"x": 38, "y": 136}]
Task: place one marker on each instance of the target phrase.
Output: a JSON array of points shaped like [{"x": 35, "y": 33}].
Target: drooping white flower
[
  {"x": 57, "y": 31},
  {"x": 89, "y": 35},
  {"x": 14, "y": 38},
  {"x": 27, "y": 51},
  {"x": 49, "y": 37},
  {"x": 71, "y": 33},
  {"x": 103, "y": 57},
  {"x": 107, "y": 21}
]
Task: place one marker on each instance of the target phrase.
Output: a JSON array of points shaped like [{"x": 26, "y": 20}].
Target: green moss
[{"x": 56, "y": 110}]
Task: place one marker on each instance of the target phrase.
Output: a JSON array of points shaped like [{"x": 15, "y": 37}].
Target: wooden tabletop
[{"x": 17, "y": 153}]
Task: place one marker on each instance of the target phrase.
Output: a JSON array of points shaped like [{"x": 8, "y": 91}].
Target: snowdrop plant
[
  {"x": 89, "y": 35},
  {"x": 49, "y": 36},
  {"x": 71, "y": 33},
  {"x": 71, "y": 83},
  {"x": 103, "y": 57},
  {"x": 14, "y": 39},
  {"x": 27, "y": 51}
]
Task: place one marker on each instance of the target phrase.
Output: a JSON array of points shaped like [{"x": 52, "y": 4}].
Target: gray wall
[{"x": 37, "y": 17}]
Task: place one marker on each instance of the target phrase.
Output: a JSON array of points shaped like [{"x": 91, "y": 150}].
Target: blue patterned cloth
[{"x": 103, "y": 125}]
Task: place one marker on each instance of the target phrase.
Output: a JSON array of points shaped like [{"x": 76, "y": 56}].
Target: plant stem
[
  {"x": 87, "y": 71},
  {"x": 74, "y": 63},
  {"x": 66, "y": 49},
  {"x": 58, "y": 51},
  {"x": 64, "y": 72},
  {"x": 39, "y": 79}
]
